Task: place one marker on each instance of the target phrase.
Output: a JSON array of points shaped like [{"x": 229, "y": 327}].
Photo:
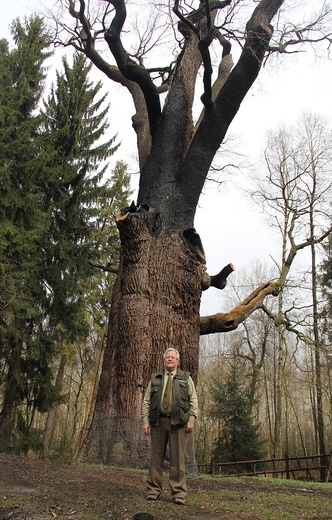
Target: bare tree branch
[
  {"x": 224, "y": 322},
  {"x": 287, "y": 324},
  {"x": 108, "y": 267},
  {"x": 311, "y": 32}
]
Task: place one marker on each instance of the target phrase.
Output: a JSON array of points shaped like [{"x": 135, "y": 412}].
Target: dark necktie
[{"x": 167, "y": 393}]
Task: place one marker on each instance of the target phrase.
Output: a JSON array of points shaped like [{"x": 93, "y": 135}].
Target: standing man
[{"x": 168, "y": 412}]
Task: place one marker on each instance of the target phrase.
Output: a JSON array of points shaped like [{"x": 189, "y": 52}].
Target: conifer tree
[
  {"x": 326, "y": 269},
  {"x": 239, "y": 436},
  {"x": 81, "y": 204},
  {"x": 74, "y": 124},
  {"x": 53, "y": 189},
  {"x": 326, "y": 285},
  {"x": 24, "y": 345}
]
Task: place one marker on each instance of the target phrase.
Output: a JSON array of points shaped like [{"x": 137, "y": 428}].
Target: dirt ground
[{"x": 32, "y": 489}]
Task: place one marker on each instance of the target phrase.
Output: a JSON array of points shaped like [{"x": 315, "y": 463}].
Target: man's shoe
[
  {"x": 153, "y": 497},
  {"x": 180, "y": 501}
]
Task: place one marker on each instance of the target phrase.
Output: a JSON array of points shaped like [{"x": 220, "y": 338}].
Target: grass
[
  {"x": 42, "y": 490},
  {"x": 271, "y": 499}
]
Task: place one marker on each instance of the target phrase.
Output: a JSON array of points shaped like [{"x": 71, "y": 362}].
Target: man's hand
[
  {"x": 146, "y": 429},
  {"x": 189, "y": 427}
]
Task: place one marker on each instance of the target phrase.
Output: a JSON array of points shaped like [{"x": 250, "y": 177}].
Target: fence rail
[{"x": 304, "y": 467}]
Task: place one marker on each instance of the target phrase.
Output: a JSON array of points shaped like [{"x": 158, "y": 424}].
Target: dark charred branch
[
  {"x": 225, "y": 322},
  {"x": 208, "y": 14},
  {"x": 128, "y": 67},
  {"x": 205, "y": 38},
  {"x": 217, "y": 119},
  {"x": 87, "y": 46},
  {"x": 217, "y": 4},
  {"x": 206, "y": 97},
  {"x": 185, "y": 20},
  {"x": 203, "y": 46},
  {"x": 207, "y": 6},
  {"x": 220, "y": 280},
  {"x": 224, "y": 69},
  {"x": 85, "y": 42}
]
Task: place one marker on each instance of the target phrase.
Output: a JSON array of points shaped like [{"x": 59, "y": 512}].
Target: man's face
[{"x": 171, "y": 361}]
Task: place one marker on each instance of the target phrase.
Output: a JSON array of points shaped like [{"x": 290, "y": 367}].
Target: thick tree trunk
[{"x": 155, "y": 305}]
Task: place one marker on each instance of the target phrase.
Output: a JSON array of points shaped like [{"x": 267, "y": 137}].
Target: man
[{"x": 168, "y": 413}]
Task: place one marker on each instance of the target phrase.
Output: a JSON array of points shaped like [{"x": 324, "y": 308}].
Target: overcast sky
[{"x": 231, "y": 228}]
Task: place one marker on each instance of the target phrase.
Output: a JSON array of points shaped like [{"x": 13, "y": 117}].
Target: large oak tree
[{"x": 162, "y": 270}]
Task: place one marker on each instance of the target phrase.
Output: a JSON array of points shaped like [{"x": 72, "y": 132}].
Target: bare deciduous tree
[{"x": 297, "y": 192}]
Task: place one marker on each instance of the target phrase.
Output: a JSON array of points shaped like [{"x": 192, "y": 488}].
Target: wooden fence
[{"x": 301, "y": 468}]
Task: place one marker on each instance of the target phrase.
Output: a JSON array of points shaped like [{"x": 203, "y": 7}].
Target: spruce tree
[
  {"x": 75, "y": 122},
  {"x": 81, "y": 202},
  {"x": 326, "y": 314},
  {"x": 52, "y": 189},
  {"x": 239, "y": 436},
  {"x": 24, "y": 345}
]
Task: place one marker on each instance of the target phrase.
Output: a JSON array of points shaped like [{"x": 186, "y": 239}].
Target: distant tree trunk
[
  {"x": 155, "y": 304},
  {"x": 88, "y": 411},
  {"x": 268, "y": 407},
  {"x": 279, "y": 395},
  {"x": 297, "y": 416},
  {"x": 280, "y": 352},
  {"x": 8, "y": 413},
  {"x": 52, "y": 414},
  {"x": 318, "y": 142},
  {"x": 317, "y": 348}
]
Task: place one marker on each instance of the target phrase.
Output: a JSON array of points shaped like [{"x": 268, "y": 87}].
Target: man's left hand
[{"x": 189, "y": 427}]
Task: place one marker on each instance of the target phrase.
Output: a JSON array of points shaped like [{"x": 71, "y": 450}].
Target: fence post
[
  {"x": 212, "y": 465},
  {"x": 287, "y": 466}
]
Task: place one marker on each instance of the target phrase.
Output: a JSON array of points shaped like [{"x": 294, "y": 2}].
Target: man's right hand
[{"x": 146, "y": 429}]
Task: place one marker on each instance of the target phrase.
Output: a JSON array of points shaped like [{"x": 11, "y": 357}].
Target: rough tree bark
[{"x": 162, "y": 268}]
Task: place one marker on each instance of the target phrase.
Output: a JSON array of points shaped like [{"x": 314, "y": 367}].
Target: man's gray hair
[{"x": 171, "y": 349}]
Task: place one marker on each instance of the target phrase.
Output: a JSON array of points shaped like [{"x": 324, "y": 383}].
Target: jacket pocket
[
  {"x": 154, "y": 404},
  {"x": 184, "y": 401}
]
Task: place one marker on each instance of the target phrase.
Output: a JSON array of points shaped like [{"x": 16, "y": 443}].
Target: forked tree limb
[
  {"x": 225, "y": 322},
  {"x": 205, "y": 39},
  {"x": 218, "y": 280},
  {"x": 128, "y": 67},
  {"x": 285, "y": 322}
]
